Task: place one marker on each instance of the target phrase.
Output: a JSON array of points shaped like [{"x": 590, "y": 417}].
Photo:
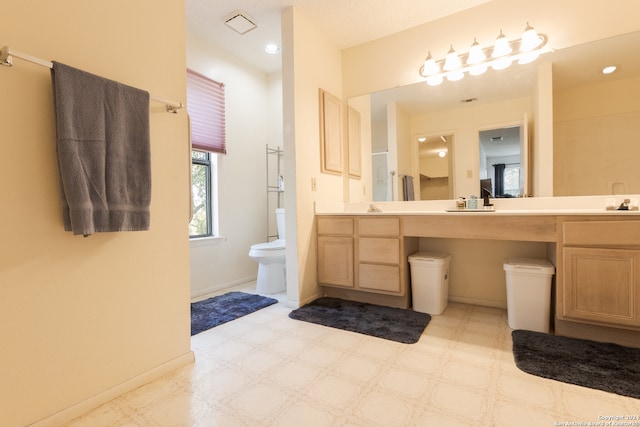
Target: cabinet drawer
[
  {"x": 385, "y": 278},
  {"x": 343, "y": 226},
  {"x": 385, "y": 251},
  {"x": 379, "y": 227},
  {"x": 601, "y": 233}
]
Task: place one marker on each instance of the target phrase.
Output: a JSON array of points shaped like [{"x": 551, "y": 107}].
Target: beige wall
[
  {"x": 598, "y": 137},
  {"x": 80, "y": 317},
  {"x": 476, "y": 273},
  {"x": 310, "y": 62}
]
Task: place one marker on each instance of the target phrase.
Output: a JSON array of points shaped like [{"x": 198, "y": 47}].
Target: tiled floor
[{"x": 266, "y": 369}]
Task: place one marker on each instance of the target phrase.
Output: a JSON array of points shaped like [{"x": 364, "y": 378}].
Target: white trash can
[
  {"x": 529, "y": 293},
  {"x": 429, "y": 281}
]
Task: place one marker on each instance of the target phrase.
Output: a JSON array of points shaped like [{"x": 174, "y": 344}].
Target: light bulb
[
  {"x": 452, "y": 62},
  {"x": 528, "y": 57},
  {"x": 501, "y": 47},
  {"x": 272, "y": 49},
  {"x": 476, "y": 54},
  {"x": 430, "y": 66},
  {"x": 434, "y": 80},
  {"x": 530, "y": 39},
  {"x": 454, "y": 76},
  {"x": 477, "y": 70},
  {"x": 501, "y": 63}
]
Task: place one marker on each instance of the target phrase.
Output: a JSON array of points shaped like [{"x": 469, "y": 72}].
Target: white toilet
[{"x": 271, "y": 259}]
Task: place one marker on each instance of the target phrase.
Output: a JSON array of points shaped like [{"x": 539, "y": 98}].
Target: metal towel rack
[{"x": 7, "y": 55}]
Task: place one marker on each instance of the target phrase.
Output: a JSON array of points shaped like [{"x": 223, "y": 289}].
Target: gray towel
[
  {"x": 102, "y": 142},
  {"x": 407, "y": 187}
]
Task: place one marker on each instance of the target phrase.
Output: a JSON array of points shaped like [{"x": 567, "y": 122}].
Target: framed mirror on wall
[
  {"x": 330, "y": 133},
  {"x": 594, "y": 119}
]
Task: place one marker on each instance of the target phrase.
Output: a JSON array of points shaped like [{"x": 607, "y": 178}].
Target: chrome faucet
[{"x": 485, "y": 196}]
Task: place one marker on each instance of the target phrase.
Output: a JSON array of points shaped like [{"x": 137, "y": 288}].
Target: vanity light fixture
[{"x": 498, "y": 57}]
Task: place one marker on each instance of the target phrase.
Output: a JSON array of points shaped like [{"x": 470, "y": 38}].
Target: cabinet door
[
  {"x": 602, "y": 286},
  {"x": 335, "y": 261}
]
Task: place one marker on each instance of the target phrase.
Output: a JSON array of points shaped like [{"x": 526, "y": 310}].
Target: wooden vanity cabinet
[
  {"x": 363, "y": 253},
  {"x": 601, "y": 273},
  {"x": 335, "y": 251},
  {"x": 379, "y": 255}
]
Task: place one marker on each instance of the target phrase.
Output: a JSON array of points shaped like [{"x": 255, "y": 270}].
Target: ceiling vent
[
  {"x": 240, "y": 22},
  {"x": 497, "y": 138}
]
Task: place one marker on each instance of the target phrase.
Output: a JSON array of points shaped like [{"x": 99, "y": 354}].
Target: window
[
  {"x": 512, "y": 180},
  {"x": 202, "y": 194},
  {"x": 206, "y": 108}
]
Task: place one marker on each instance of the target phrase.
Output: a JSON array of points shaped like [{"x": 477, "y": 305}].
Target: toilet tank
[{"x": 280, "y": 222}]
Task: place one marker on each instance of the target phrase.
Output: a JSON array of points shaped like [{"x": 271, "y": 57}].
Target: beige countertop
[{"x": 559, "y": 206}]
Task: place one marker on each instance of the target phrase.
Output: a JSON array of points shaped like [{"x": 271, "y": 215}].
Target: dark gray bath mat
[
  {"x": 394, "y": 324},
  {"x": 603, "y": 366},
  {"x": 225, "y": 308}
]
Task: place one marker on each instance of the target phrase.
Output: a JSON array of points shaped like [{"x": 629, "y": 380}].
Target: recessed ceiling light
[
  {"x": 422, "y": 139},
  {"x": 608, "y": 70},
  {"x": 272, "y": 48}
]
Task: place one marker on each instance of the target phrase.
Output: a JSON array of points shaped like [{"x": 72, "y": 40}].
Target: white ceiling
[{"x": 346, "y": 23}]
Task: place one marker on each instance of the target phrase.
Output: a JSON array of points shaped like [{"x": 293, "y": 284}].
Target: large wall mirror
[{"x": 596, "y": 125}]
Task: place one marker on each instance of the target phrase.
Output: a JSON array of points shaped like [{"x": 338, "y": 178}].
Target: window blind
[{"x": 206, "y": 107}]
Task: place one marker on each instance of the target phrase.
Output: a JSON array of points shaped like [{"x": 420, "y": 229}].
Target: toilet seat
[{"x": 270, "y": 246}]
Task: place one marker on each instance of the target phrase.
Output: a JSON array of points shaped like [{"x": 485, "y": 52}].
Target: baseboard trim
[
  {"x": 368, "y": 297},
  {"x": 221, "y": 286},
  {"x": 81, "y": 408},
  {"x": 479, "y": 301}
]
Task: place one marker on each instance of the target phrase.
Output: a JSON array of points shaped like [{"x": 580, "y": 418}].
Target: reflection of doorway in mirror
[
  {"x": 435, "y": 165},
  {"x": 501, "y": 161},
  {"x": 381, "y": 184}
]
